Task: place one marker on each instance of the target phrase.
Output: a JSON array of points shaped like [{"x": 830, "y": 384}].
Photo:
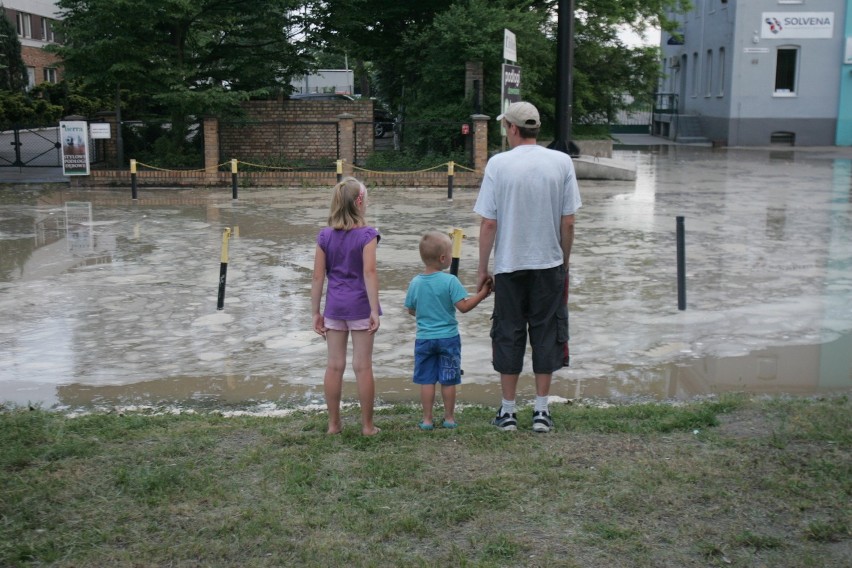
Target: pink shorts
[{"x": 347, "y": 325}]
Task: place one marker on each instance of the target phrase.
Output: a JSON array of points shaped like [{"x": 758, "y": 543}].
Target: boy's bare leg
[
  {"x": 448, "y": 393},
  {"x": 362, "y": 363},
  {"x": 427, "y": 400},
  {"x": 336, "y": 342}
]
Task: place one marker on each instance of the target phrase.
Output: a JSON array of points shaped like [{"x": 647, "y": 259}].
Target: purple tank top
[{"x": 346, "y": 295}]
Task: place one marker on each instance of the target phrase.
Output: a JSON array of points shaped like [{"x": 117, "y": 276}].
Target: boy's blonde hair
[
  {"x": 432, "y": 245},
  {"x": 346, "y": 199}
]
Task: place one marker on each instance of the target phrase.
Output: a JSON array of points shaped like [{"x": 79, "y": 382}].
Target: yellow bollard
[
  {"x": 457, "y": 235},
  {"x": 234, "y": 178},
  {"x": 223, "y": 269},
  {"x": 133, "y": 178},
  {"x": 339, "y": 170}
]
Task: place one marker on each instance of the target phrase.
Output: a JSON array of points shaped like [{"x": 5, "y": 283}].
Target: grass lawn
[{"x": 733, "y": 481}]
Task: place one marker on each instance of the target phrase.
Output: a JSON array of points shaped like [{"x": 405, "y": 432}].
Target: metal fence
[
  {"x": 30, "y": 146},
  {"x": 152, "y": 141},
  {"x": 412, "y": 145}
]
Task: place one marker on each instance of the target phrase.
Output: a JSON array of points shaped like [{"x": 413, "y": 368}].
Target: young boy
[{"x": 433, "y": 298}]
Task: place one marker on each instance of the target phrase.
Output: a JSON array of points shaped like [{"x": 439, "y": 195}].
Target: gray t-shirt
[{"x": 527, "y": 190}]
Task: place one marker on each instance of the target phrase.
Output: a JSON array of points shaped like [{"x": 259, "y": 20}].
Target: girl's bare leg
[
  {"x": 427, "y": 400},
  {"x": 362, "y": 364},
  {"x": 448, "y": 393},
  {"x": 333, "y": 380}
]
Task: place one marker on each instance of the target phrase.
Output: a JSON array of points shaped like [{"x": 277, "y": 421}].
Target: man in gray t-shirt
[{"x": 527, "y": 201}]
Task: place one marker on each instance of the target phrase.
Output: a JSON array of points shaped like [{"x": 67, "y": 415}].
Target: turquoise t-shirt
[{"x": 433, "y": 297}]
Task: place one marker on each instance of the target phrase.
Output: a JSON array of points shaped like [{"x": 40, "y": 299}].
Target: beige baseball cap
[{"x": 522, "y": 114}]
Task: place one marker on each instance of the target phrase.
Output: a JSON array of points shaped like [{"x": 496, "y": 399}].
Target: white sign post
[
  {"x": 510, "y": 49},
  {"x": 100, "y": 130}
]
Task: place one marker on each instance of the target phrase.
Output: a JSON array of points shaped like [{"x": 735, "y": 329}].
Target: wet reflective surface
[{"x": 106, "y": 300}]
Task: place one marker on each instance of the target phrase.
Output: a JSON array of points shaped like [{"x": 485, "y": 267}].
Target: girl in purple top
[{"x": 346, "y": 253}]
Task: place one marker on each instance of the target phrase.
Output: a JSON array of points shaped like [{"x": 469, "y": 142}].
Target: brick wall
[
  {"x": 211, "y": 176},
  {"x": 39, "y": 58},
  {"x": 152, "y": 178},
  {"x": 294, "y": 130}
]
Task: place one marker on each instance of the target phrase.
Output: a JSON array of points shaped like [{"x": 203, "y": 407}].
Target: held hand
[
  {"x": 319, "y": 325},
  {"x": 488, "y": 285},
  {"x": 374, "y": 322},
  {"x": 482, "y": 280}
]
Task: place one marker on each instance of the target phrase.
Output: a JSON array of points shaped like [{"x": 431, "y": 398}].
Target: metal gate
[{"x": 37, "y": 146}]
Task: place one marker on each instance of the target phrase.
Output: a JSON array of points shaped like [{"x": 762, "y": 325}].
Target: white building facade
[{"x": 759, "y": 72}]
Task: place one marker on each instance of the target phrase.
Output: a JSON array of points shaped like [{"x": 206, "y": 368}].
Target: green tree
[
  {"x": 13, "y": 73},
  {"x": 472, "y": 31},
  {"x": 185, "y": 57},
  {"x": 418, "y": 50}
]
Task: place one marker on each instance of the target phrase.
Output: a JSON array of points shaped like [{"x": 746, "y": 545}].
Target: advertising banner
[
  {"x": 511, "y": 92},
  {"x": 75, "y": 147},
  {"x": 797, "y": 25}
]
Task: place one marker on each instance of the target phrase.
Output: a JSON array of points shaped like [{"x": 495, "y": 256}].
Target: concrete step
[{"x": 692, "y": 140}]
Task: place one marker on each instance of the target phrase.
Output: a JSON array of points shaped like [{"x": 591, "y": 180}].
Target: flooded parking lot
[{"x": 109, "y": 301}]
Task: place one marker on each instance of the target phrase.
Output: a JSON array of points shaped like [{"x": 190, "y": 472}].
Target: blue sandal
[
  {"x": 424, "y": 426},
  {"x": 450, "y": 425}
]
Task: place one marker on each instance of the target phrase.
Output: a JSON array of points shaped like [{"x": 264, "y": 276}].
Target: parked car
[{"x": 382, "y": 118}]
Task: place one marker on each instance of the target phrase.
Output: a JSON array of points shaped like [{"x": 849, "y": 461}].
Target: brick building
[{"x": 34, "y": 21}]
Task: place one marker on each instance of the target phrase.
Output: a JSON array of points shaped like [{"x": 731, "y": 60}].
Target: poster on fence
[{"x": 75, "y": 147}]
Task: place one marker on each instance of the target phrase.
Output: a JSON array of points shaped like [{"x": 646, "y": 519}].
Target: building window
[
  {"x": 30, "y": 77},
  {"x": 786, "y": 62},
  {"x": 708, "y": 74},
  {"x": 695, "y": 74},
  {"x": 49, "y": 75},
  {"x": 721, "y": 80},
  {"x": 24, "y": 24},
  {"x": 47, "y": 33}
]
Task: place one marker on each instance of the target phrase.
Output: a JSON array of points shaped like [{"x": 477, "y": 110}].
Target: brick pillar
[
  {"x": 473, "y": 83},
  {"x": 211, "y": 149},
  {"x": 480, "y": 142},
  {"x": 346, "y": 141}
]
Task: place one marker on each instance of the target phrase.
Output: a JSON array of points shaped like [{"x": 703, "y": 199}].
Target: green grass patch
[{"x": 624, "y": 485}]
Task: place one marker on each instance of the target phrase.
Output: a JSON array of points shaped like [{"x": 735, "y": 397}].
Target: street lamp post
[{"x": 564, "y": 78}]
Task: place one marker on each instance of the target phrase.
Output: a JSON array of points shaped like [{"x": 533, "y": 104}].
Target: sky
[{"x": 632, "y": 39}]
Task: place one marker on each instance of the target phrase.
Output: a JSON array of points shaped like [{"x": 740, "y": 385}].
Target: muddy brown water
[{"x": 109, "y": 301}]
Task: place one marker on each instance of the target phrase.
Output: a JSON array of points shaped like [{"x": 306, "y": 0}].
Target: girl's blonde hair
[{"x": 346, "y": 201}]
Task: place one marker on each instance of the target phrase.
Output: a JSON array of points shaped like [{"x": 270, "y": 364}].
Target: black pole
[
  {"x": 450, "y": 176},
  {"x": 223, "y": 270},
  {"x": 234, "y": 179},
  {"x": 564, "y": 79},
  {"x": 456, "y": 236},
  {"x": 681, "y": 265},
  {"x": 133, "y": 179}
]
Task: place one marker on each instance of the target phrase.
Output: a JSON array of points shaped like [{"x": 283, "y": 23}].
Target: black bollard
[
  {"x": 456, "y": 235},
  {"x": 223, "y": 270},
  {"x": 133, "y": 179},
  {"x": 681, "y": 265},
  {"x": 450, "y": 176},
  {"x": 234, "y": 178}
]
